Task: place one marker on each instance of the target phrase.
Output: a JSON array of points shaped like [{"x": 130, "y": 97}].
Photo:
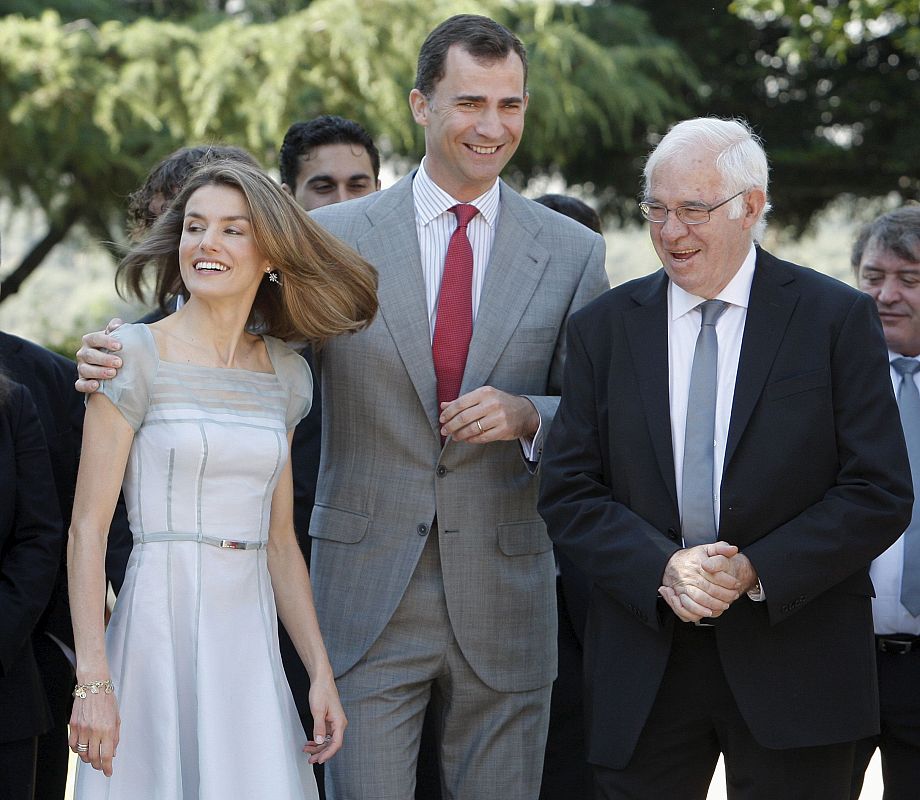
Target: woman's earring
[{"x": 274, "y": 276}]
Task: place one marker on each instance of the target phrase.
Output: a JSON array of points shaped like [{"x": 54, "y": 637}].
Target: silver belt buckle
[{"x": 230, "y": 544}]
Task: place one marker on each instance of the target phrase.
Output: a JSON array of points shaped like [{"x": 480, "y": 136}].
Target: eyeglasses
[{"x": 689, "y": 215}]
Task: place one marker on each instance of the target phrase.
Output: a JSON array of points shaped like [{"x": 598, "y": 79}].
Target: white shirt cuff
[
  {"x": 533, "y": 448},
  {"x": 756, "y": 592}
]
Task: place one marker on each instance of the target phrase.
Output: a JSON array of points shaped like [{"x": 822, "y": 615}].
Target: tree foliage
[
  {"x": 86, "y": 110},
  {"x": 835, "y": 28},
  {"x": 832, "y": 126},
  {"x": 98, "y": 11}
]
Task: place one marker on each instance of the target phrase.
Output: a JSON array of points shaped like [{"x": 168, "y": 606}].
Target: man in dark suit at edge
[
  {"x": 886, "y": 260},
  {"x": 49, "y": 378}
]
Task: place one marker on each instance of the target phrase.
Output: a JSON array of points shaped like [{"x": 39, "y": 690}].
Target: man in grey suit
[{"x": 432, "y": 571}]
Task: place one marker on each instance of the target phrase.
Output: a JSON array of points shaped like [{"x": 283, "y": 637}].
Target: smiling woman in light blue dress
[{"x": 184, "y": 695}]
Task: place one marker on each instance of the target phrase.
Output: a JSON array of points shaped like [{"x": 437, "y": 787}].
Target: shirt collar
[
  {"x": 737, "y": 292},
  {"x": 431, "y": 201}
]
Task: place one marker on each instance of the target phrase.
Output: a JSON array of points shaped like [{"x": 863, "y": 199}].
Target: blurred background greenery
[{"x": 94, "y": 92}]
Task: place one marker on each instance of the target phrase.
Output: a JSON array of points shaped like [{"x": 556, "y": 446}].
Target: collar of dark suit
[{"x": 10, "y": 343}]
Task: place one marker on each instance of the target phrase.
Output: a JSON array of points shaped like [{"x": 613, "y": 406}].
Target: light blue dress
[{"x": 206, "y": 711}]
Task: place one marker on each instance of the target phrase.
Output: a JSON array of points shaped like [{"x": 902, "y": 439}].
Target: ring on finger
[
  {"x": 479, "y": 425},
  {"x": 82, "y": 748}
]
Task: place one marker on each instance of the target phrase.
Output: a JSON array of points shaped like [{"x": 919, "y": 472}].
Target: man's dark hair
[
  {"x": 481, "y": 37},
  {"x": 304, "y": 137},
  {"x": 574, "y": 208},
  {"x": 168, "y": 177},
  {"x": 898, "y": 232}
]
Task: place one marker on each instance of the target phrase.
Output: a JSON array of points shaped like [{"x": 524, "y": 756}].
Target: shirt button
[{"x": 422, "y": 529}]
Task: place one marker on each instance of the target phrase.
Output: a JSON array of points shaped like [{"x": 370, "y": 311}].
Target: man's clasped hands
[{"x": 703, "y": 581}]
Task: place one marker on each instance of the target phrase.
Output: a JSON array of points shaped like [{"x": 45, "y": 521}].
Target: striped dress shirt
[{"x": 435, "y": 224}]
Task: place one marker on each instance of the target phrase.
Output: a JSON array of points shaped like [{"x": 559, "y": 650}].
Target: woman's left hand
[{"x": 329, "y": 721}]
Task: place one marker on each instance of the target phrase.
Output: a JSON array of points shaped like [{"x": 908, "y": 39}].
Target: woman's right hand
[
  {"x": 94, "y": 363},
  {"x": 329, "y": 720},
  {"x": 95, "y": 723}
]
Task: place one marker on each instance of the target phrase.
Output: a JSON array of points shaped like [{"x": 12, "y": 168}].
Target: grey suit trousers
[{"x": 385, "y": 694}]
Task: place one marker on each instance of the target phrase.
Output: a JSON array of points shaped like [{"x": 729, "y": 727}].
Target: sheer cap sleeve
[
  {"x": 130, "y": 389},
  {"x": 294, "y": 374}
]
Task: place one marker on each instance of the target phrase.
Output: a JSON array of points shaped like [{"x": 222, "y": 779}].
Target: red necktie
[{"x": 454, "y": 326}]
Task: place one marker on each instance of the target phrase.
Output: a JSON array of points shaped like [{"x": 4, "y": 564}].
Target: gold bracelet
[{"x": 94, "y": 686}]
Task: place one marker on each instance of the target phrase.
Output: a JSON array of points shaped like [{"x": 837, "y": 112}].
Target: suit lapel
[
  {"x": 391, "y": 245},
  {"x": 647, "y": 332},
  {"x": 515, "y": 268},
  {"x": 769, "y": 310}
]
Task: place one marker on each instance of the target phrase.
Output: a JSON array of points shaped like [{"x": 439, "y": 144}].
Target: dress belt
[{"x": 214, "y": 541}]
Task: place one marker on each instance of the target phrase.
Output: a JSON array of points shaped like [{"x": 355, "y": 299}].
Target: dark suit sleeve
[
  {"x": 305, "y": 452},
  {"x": 869, "y": 506},
  {"x": 31, "y": 548},
  {"x": 617, "y": 549}
]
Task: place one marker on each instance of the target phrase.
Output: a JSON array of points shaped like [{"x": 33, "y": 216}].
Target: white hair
[{"x": 738, "y": 153}]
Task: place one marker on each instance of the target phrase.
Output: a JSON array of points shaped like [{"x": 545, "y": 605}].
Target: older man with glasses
[{"x": 725, "y": 463}]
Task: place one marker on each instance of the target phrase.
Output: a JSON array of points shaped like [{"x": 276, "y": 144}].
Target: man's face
[
  {"x": 701, "y": 259},
  {"x": 473, "y": 121},
  {"x": 894, "y": 284},
  {"x": 332, "y": 173}
]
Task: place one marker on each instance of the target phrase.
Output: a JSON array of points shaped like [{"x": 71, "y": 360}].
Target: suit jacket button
[
  {"x": 673, "y": 535},
  {"x": 422, "y": 529},
  {"x": 441, "y": 470}
]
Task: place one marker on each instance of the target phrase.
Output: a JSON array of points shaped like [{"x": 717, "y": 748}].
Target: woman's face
[{"x": 218, "y": 257}]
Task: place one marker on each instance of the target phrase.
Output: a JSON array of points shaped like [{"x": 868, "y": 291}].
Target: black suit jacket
[
  {"x": 813, "y": 488},
  {"x": 50, "y": 378},
  {"x": 31, "y": 539}
]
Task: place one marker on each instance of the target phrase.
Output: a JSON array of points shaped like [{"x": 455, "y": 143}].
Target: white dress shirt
[
  {"x": 888, "y": 613},
  {"x": 684, "y": 320},
  {"x": 435, "y": 224}
]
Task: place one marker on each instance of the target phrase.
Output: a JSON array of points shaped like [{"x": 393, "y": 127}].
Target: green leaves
[
  {"x": 87, "y": 110},
  {"x": 834, "y": 28}
]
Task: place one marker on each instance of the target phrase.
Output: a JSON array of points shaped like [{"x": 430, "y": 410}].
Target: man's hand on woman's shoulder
[{"x": 96, "y": 359}]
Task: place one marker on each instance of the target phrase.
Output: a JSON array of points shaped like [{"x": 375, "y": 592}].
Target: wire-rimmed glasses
[{"x": 689, "y": 215}]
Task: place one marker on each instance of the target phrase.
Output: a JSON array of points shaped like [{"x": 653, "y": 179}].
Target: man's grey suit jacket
[{"x": 384, "y": 475}]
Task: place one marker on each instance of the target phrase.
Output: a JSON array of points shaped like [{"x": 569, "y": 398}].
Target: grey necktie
[
  {"x": 909, "y": 405},
  {"x": 698, "y": 516}
]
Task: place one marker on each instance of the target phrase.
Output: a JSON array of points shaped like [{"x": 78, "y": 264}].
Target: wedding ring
[
  {"x": 82, "y": 748},
  {"x": 479, "y": 425}
]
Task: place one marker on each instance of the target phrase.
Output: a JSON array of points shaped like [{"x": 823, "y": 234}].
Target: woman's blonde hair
[{"x": 326, "y": 287}]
